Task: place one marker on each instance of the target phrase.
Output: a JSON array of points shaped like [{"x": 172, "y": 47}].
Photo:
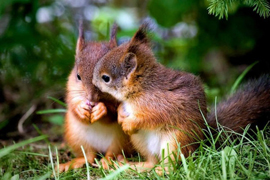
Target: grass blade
[
  {"x": 11, "y": 148},
  {"x": 58, "y": 101},
  {"x": 57, "y": 161},
  {"x": 15, "y": 177},
  {"x": 86, "y": 163},
  {"x": 240, "y": 78},
  {"x": 45, "y": 176},
  {"x": 34, "y": 154},
  {"x": 52, "y": 111},
  {"x": 185, "y": 165},
  {"x": 51, "y": 159},
  {"x": 116, "y": 172},
  {"x": 223, "y": 165}
]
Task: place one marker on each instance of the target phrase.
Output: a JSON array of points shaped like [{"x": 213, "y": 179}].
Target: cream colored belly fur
[{"x": 98, "y": 135}]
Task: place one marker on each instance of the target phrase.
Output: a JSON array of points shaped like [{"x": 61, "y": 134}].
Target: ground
[{"x": 248, "y": 157}]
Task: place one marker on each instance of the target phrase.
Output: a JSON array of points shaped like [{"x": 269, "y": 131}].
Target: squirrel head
[
  {"x": 121, "y": 71},
  {"x": 87, "y": 55}
]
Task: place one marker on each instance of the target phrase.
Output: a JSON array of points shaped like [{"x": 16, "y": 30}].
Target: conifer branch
[{"x": 220, "y": 8}]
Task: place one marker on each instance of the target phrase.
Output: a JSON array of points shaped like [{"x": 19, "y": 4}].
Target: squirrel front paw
[
  {"x": 128, "y": 126},
  {"x": 83, "y": 111},
  {"x": 122, "y": 114},
  {"x": 124, "y": 119},
  {"x": 98, "y": 112}
]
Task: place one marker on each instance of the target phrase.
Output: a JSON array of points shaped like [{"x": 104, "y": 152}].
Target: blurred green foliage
[
  {"x": 35, "y": 59},
  {"x": 38, "y": 37},
  {"x": 217, "y": 50}
]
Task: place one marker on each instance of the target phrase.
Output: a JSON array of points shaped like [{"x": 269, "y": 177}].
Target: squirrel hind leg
[
  {"x": 147, "y": 166},
  {"x": 114, "y": 152},
  {"x": 151, "y": 162},
  {"x": 168, "y": 155}
]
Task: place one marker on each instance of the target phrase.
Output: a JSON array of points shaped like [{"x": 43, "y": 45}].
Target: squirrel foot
[
  {"x": 141, "y": 166},
  {"x": 105, "y": 163},
  {"x": 161, "y": 171},
  {"x": 73, "y": 164},
  {"x": 121, "y": 161}
]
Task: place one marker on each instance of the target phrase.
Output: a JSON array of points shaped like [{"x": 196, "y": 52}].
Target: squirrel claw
[
  {"x": 69, "y": 165},
  {"x": 105, "y": 163}
]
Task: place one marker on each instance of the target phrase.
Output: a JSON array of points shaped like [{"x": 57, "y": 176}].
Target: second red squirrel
[
  {"x": 91, "y": 118},
  {"x": 163, "y": 109}
]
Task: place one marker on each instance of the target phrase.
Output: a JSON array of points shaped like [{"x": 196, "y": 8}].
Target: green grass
[{"x": 246, "y": 157}]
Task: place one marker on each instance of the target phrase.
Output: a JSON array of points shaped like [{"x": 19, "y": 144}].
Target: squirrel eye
[
  {"x": 105, "y": 78},
  {"x": 78, "y": 77}
]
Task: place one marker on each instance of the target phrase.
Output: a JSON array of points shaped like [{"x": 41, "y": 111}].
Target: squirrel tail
[{"x": 248, "y": 105}]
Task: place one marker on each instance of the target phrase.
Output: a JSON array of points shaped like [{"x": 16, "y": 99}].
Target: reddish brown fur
[
  {"x": 90, "y": 110},
  {"x": 249, "y": 105},
  {"x": 162, "y": 100}
]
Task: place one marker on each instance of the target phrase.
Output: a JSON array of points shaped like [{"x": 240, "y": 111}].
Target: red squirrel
[
  {"x": 160, "y": 108},
  {"x": 91, "y": 118}
]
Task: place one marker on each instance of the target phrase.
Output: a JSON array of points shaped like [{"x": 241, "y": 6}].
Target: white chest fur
[
  {"x": 153, "y": 142},
  {"x": 97, "y": 135}
]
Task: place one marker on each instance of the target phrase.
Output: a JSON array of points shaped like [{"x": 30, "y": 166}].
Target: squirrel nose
[{"x": 92, "y": 99}]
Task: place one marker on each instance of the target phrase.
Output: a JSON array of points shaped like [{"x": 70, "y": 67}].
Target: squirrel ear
[
  {"x": 139, "y": 38},
  {"x": 113, "y": 41},
  {"x": 80, "y": 41},
  {"x": 141, "y": 35},
  {"x": 129, "y": 64}
]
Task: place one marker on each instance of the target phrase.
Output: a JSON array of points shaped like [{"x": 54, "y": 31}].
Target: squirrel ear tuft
[
  {"x": 140, "y": 37},
  {"x": 80, "y": 41},
  {"x": 113, "y": 41},
  {"x": 129, "y": 64}
]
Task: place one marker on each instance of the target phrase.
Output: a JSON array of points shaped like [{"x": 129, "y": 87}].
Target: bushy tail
[{"x": 249, "y": 105}]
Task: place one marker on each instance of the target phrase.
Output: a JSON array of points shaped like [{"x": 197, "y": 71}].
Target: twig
[{"x": 24, "y": 117}]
